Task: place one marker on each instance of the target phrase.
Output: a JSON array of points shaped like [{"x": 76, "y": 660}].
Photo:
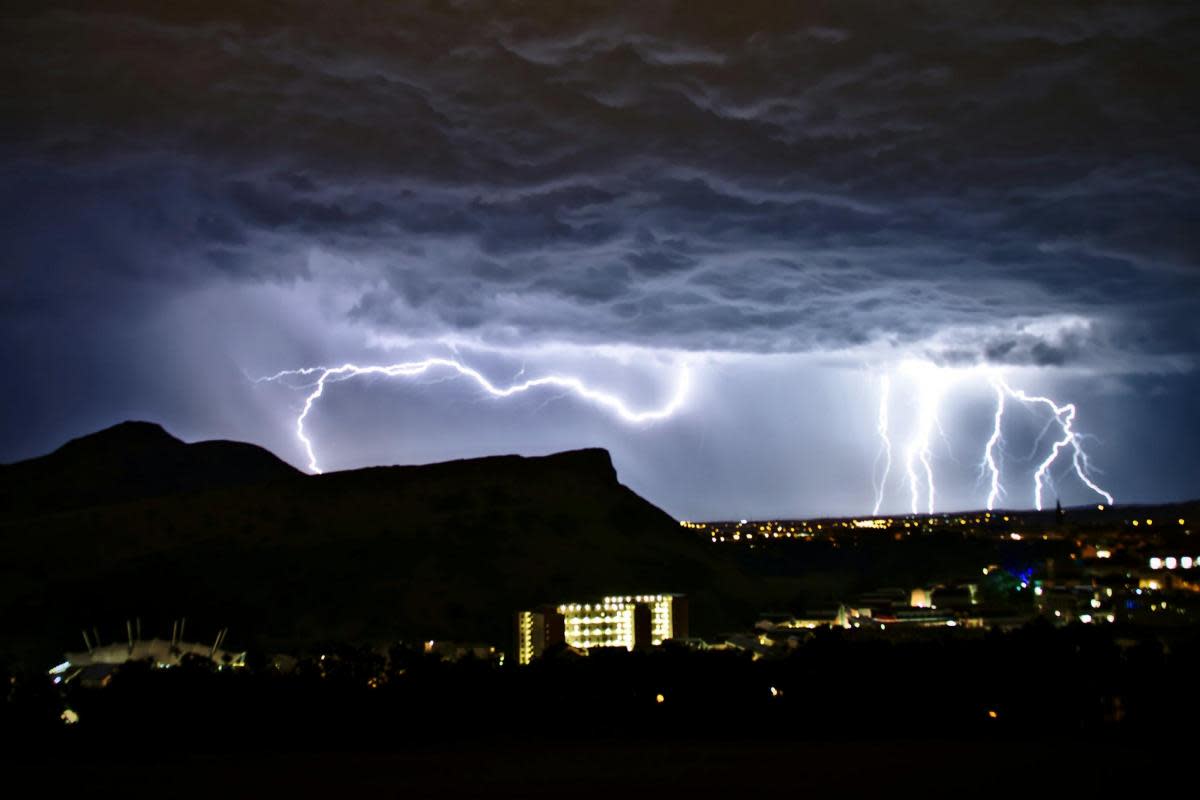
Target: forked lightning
[
  {"x": 933, "y": 382},
  {"x": 570, "y": 383}
]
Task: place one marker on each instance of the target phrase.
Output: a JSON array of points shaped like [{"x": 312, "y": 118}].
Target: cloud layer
[{"x": 983, "y": 182}]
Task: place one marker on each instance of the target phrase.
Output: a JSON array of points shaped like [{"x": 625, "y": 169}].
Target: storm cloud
[{"x": 1013, "y": 184}]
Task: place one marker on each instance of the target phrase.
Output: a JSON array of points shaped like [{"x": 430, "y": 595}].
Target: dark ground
[{"x": 1037, "y": 767}]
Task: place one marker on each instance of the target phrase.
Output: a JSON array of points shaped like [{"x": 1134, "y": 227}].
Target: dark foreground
[
  {"x": 1041, "y": 710},
  {"x": 641, "y": 768}
]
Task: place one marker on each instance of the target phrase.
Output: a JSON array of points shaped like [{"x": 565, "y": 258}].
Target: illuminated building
[
  {"x": 824, "y": 618},
  {"x": 93, "y": 666},
  {"x": 918, "y": 617},
  {"x": 537, "y": 630},
  {"x": 921, "y": 598},
  {"x": 628, "y": 621}
]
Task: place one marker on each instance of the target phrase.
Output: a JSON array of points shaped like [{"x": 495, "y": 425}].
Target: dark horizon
[{"x": 128, "y": 430}]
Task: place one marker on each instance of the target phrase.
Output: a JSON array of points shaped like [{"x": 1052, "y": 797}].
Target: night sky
[{"x": 790, "y": 201}]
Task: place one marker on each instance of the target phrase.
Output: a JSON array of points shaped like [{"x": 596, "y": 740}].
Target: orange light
[{"x": 992, "y": 714}]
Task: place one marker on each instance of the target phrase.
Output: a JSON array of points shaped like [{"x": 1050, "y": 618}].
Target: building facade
[{"x": 628, "y": 621}]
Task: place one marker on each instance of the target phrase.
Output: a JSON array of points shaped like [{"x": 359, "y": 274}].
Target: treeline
[{"x": 1034, "y": 682}]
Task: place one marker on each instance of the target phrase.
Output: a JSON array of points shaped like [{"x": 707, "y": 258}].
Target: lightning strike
[
  {"x": 605, "y": 400},
  {"x": 885, "y": 452},
  {"x": 931, "y": 383},
  {"x": 1064, "y": 415},
  {"x": 990, "y": 458},
  {"x": 919, "y": 450}
]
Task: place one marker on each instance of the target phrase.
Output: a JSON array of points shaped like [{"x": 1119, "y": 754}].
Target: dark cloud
[
  {"x": 1044, "y": 154},
  {"x": 1013, "y": 183}
]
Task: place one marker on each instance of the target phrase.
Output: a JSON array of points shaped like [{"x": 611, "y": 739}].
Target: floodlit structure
[
  {"x": 628, "y": 621},
  {"x": 921, "y": 598},
  {"x": 98, "y": 661}
]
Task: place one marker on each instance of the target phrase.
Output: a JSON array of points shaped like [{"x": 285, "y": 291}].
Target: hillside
[
  {"x": 130, "y": 461},
  {"x": 439, "y": 551}
]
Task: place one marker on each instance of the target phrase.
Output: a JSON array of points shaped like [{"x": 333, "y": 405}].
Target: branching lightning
[
  {"x": 572, "y": 384},
  {"x": 1064, "y": 416},
  {"x": 990, "y": 454},
  {"x": 931, "y": 385},
  {"x": 919, "y": 450}
]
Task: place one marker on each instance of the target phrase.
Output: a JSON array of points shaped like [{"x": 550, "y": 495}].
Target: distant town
[{"x": 1092, "y": 566}]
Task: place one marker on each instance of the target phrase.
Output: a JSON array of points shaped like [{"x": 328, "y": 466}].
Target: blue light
[{"x": 1021, "y": 575}]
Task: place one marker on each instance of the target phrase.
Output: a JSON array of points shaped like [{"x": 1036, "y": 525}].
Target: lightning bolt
[
  {"x": 990, "y": 459},
  {"x": 1064, "y": 416},
  {"x": 932, "y": 383},
  {"x": 574, "y": 385},
  {"x": 932, "y": 387},
  {"x": 885, "y": 448}
]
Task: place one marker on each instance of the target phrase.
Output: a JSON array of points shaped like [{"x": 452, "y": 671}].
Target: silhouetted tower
[{"x": 1059, "y": 514}]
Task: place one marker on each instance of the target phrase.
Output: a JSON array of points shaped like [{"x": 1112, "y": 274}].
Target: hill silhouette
[
  {"x": 130, "y": 522},
  {"x": 130, "y": 461}
]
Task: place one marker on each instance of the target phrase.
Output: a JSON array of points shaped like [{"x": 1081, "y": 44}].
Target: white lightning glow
[
  {"x": 885, "y": 389},
  {"x": 1064, "y": 415},
  {"x": 576, "y": 386},
  {"x": 930, "y": 384},
  {"x": 990, "y": 458}
]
